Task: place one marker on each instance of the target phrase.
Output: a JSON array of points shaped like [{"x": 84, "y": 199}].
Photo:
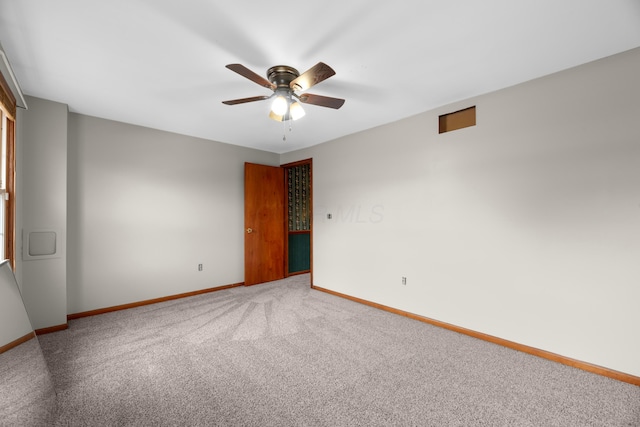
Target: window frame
[{"x": 8, "y": 121}]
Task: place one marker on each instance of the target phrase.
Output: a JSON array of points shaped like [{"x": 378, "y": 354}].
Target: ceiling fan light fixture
[
  {"x": 296, "y": 111},
  {"x": 276, "y": 117},
  {"x": 280, "y": 105}
]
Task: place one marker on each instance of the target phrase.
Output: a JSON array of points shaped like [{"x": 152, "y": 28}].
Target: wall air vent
[{"x": 458, "y": 120}]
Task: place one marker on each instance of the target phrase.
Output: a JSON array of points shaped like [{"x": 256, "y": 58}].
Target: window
[{"x": 3, "y": 181}]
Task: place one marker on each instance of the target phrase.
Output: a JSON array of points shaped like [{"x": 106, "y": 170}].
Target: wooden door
[{"x": 264, "y": 223}]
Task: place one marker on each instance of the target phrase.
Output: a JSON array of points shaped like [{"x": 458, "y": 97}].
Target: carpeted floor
[
  {"x": 27, "y": 397},
  {"x": 281, "y": 354}
]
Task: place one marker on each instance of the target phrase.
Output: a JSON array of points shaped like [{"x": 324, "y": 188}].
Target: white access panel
[{"x": 41, "y": 244}]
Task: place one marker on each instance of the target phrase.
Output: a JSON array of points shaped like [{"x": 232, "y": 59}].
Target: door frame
[{"x": 287, "y": 166}]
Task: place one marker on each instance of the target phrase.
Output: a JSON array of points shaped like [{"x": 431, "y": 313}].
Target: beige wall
[
  {"x": 525, "y": 227},
  {"x": 138, "y": 208},
  {"x": 41, "y": 204},
  {"x": 146, "y": 207}
]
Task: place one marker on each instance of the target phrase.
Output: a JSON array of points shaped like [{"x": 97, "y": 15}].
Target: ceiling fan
[{"x": 285, "y": 81}]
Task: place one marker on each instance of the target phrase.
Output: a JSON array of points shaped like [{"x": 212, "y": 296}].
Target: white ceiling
[{"x": 161, "y": 63}]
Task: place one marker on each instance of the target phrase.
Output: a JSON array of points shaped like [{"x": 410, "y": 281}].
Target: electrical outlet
[
  {"x": 199, "y": 267},
  {"x": 404, "y": 280}
]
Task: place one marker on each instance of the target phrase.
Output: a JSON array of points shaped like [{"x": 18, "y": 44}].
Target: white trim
[{"x": 7, "y": 72}]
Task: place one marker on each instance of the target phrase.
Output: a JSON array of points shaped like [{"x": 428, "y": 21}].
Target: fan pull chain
[{"x": 284, "y": 130}]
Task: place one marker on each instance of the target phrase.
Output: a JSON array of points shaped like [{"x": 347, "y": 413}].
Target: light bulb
[
  {"x": 296, "y": 111},
  {"x": 280, "y": 105}
]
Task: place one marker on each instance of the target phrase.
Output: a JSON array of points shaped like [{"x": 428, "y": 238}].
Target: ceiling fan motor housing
[{"x": 282, "y": 75}]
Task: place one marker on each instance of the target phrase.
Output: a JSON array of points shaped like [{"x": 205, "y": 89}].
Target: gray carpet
[
  {"x": 27, "y": 397},
  {"x": 281, "y": 354}
]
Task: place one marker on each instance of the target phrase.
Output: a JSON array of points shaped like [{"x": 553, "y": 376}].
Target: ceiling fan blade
[
  {"x": 312, "y": 76},
  {"x": 243, "y": 100},
  {"x": 323, "y": 101},
  {"x": 256, "y": 78}
]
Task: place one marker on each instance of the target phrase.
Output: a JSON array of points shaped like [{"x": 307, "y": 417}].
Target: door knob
[{"x": 249, "y": 230}]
